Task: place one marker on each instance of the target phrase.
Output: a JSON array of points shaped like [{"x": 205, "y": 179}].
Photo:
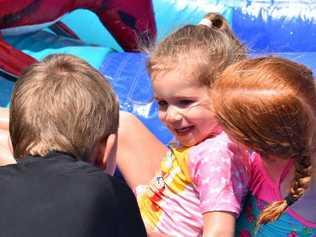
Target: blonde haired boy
[{"x": 63, "y": 119}]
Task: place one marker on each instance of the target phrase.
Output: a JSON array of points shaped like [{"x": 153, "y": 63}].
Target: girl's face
[{"x": 184, "y": 107}]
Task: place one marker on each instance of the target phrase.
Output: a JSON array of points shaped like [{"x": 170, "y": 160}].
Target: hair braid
[{"x": 301, "y": 181}]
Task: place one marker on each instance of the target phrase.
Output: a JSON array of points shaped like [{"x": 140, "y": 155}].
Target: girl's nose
[{"x": 173, "y": 114}]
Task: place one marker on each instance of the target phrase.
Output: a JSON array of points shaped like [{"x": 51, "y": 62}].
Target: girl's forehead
[
  {"x": 172, "y": 87},
  {"x": 185, "y": 75}
]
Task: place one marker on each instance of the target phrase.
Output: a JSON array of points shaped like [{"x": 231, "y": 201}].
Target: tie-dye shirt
[{"x": 211, "y": 176}]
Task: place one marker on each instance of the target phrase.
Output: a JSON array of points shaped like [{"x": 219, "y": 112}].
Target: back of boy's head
[
  {"x": 269, "y": 104},
  {"x": 207, "y": 49},
  {"x": 61, "y": 104}
]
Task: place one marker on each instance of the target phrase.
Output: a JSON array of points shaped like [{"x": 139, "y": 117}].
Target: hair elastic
[
  {"x": 290, "y": 199},
  {"x": 206, "y": 22}
]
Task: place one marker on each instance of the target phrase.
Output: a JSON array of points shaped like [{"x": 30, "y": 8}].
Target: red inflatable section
[{"x": 131, "y": 23}]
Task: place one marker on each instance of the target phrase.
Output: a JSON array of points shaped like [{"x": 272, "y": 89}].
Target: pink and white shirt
[{"x": 211, "y": 176}]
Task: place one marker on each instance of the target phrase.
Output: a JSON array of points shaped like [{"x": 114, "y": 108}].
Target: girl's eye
[
  {"x": 186, "y": 102},
  {"x": 162, "y": 103}
]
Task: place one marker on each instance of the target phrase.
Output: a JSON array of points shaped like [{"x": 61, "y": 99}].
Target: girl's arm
[
  {"x": 139, "y": 152},
  {"x": 4, "y": 119},
  {"x": 220, "y": 177},
  {"x": 221, "y": 224},
  {"x": 6, "y": 156},
  {"x": 155, "y": 234}
]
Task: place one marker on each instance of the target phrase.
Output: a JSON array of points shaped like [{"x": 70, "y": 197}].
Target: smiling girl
[{"x": 198, "y": 188}]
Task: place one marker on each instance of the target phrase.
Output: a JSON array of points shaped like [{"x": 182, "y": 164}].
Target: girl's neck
[
  {"x": 274, "y": 167},
  {"x": 286, "y": 182},
  {"x": 281, "y": 172}
]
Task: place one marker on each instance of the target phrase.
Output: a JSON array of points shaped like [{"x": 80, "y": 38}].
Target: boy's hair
[
  {"x": 206, "y": 50},
  {"x": 269, "y": 104},
  {"x": 62, "y": 104}
]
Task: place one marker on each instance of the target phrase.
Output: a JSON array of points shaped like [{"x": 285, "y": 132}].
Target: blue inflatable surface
[
  {"x": 277, "y": 27},
  {"x": 130, "y": 80}
]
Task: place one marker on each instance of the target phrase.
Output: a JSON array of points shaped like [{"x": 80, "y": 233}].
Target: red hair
[{"x": 269, "y": 104}]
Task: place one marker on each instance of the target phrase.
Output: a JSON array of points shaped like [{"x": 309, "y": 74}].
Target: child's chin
[{"x": 188, "y": 143}]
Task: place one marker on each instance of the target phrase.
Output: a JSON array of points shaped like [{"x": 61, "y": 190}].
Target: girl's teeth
[{"x": 183, "y": 129}]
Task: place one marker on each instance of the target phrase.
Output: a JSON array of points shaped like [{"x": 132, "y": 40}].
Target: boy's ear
[{"x": 107, "y": 157}]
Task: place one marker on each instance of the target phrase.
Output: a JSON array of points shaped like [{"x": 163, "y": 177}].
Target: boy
[{"x": 63, "y": 115}]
